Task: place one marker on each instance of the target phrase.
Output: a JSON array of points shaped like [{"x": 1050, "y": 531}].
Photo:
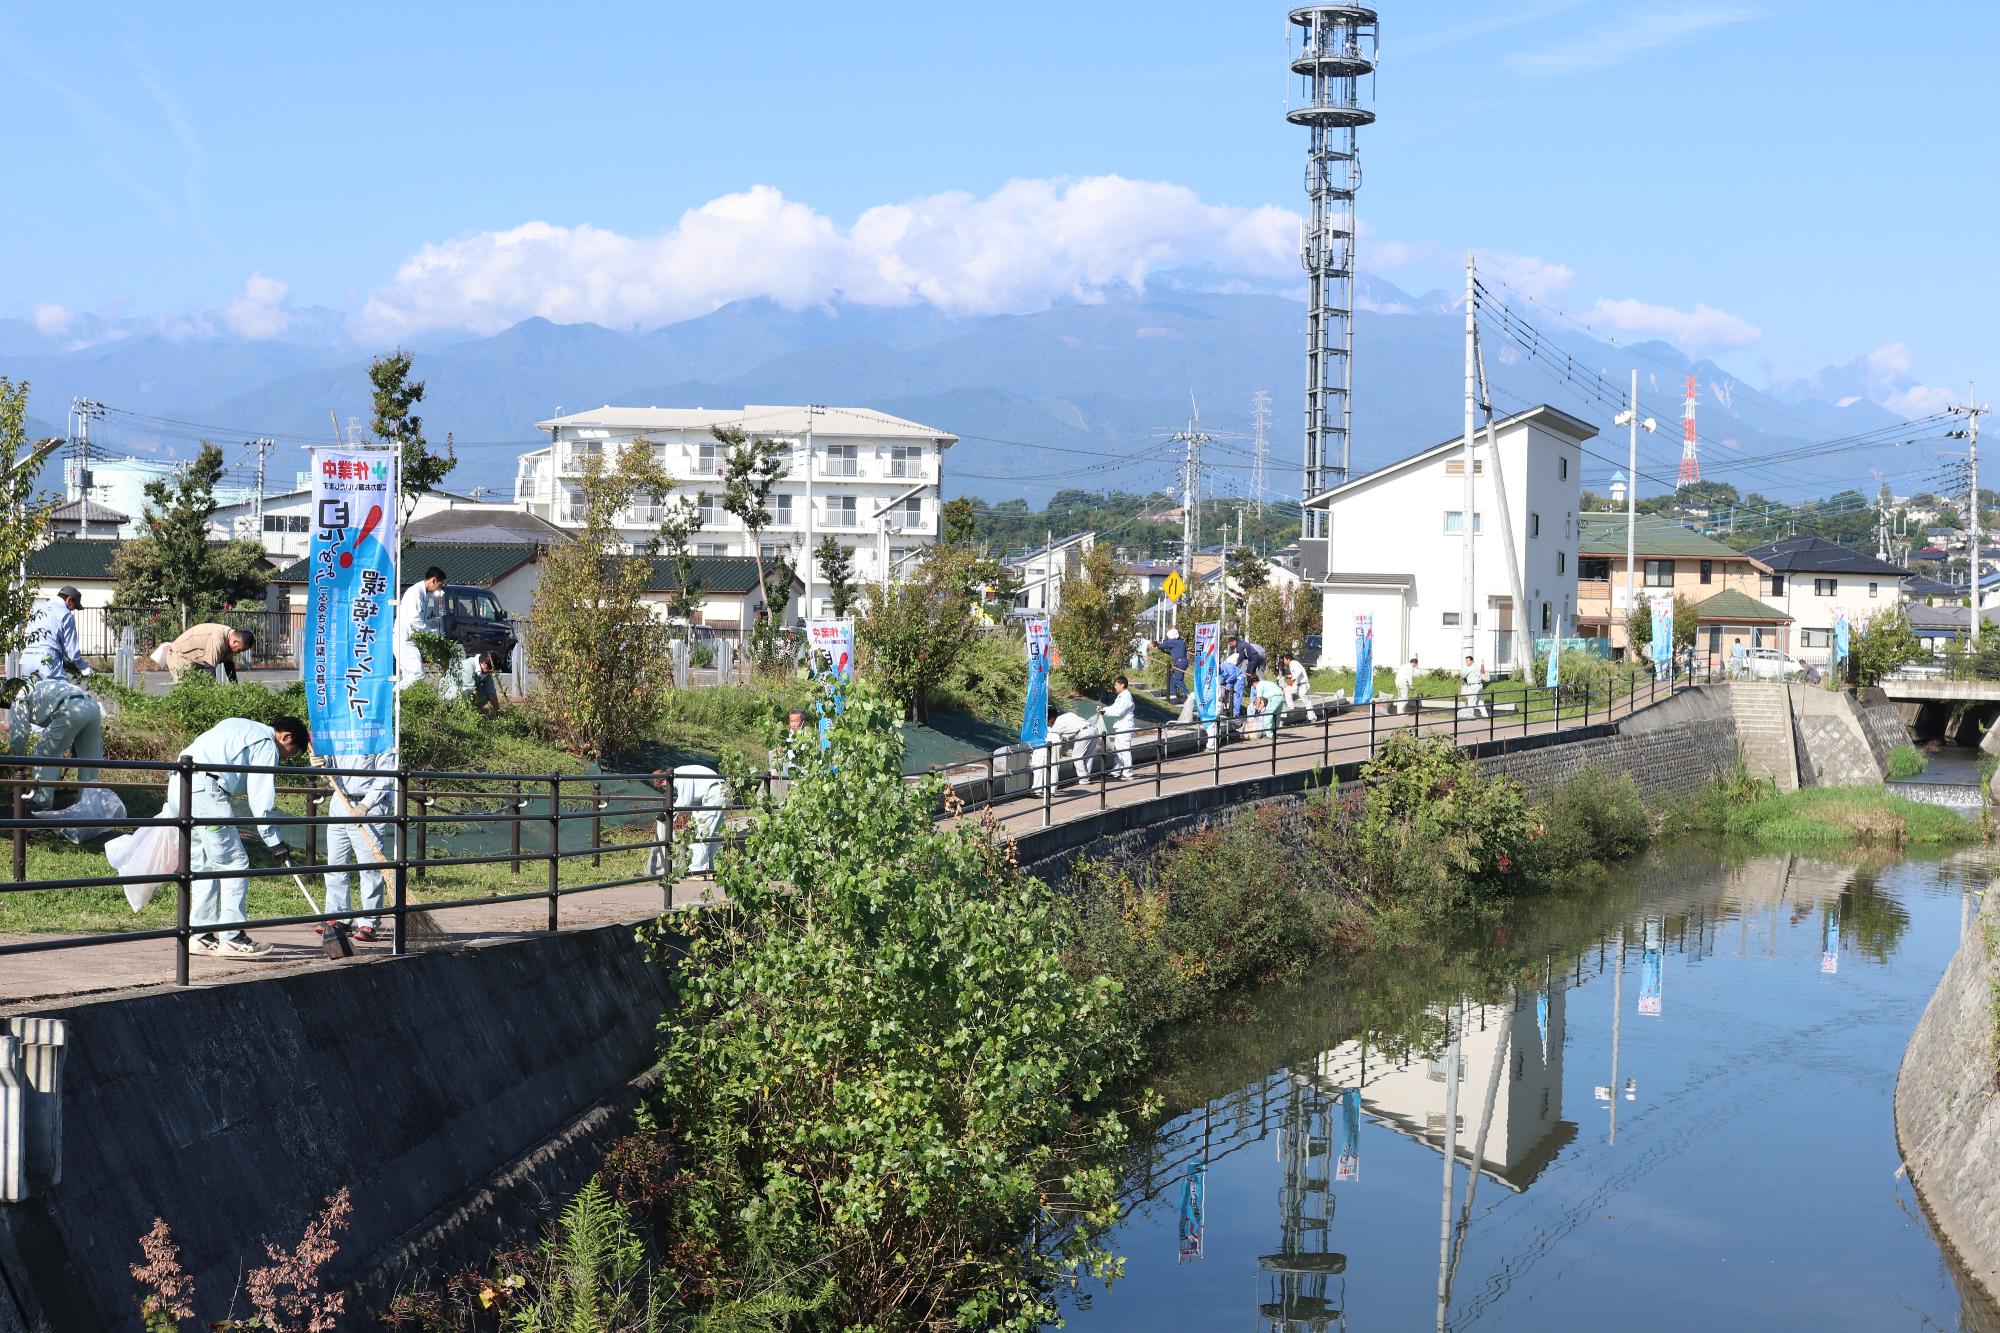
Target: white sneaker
[
  {"x": 242, "y": 946},
  {"x": 204, "y": 944}
]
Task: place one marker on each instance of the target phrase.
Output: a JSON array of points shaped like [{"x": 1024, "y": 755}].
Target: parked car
[
  {"x": 1770, "y": 664},
  {"x": 473, "y": 618}
]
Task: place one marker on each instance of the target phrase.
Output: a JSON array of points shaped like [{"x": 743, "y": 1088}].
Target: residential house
[
  {"x": 91, "y": 568},
  {"x": 1810, "y": 578},
  {"x": 119, "y": 485},
  {"x": 283, "y": 523},
  {"x": 511, "y": 570},
  {"x": 873, "y": 482},
  {"x": 105, "y": 523},
  {"x": 1722, "y": 583},
  {"x": 1040, "y": 570},
  {"x": 1398, "y": 537}
]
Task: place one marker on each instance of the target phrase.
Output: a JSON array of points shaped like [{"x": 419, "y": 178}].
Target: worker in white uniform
[
  {"x": 49, "y": 651},
  {"x": 373, "y": 799},
  {"x": 220, "y": 799},
  {"x": 1406, "y": 685},
  {"x": 1082, "y": 736},
  {"x": 1472, "y": 688},
  {"x": 1118, "y": 720},
  {"x": 60, "y": 719},
  {"x": 699, "y": 797},
  {"x": 1266, "y": 700},
  {"x": 1297, "y": 681},
  {"x": 419, "y": 611}
]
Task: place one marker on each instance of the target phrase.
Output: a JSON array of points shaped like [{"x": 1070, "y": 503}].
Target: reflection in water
[{"x": 1452, "y": 1053}]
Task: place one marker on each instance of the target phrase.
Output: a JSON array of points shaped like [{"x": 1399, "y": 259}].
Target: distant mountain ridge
[{"x": 1075, "y": 395}]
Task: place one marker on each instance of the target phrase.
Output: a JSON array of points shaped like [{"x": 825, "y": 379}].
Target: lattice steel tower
[{"x": 1339, "y": 51}]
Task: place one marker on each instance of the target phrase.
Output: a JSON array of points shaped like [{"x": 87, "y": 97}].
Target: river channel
[{"x": 1671, "y": 1100}]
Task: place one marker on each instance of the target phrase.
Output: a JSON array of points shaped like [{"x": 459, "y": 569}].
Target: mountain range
[{"x": 1078, "y": 395}]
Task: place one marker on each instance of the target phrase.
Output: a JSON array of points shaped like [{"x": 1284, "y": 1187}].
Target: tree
[
  {"x": 1246, "y": 569},
  {"x": 396, "y": 422},
  {"x": 749, "y": 471},
  {"x": 176, "y": 565},
  {"x": 836, "y": 570},
  {"x": 1884, "y": 644},
  {"x": 1093, "y": 623},
  {"x": 680, "y": 520},
  {"x": 961, "y": 522},
  {"x": 22, "y": 522},
  {"x": 600, "y": 649},
  {"x": 881, "y": 1065},
  {"x": 917, "y": 631},
  {"x": 1271, "y": 619},
  {"x": 1639, "y": 625}
]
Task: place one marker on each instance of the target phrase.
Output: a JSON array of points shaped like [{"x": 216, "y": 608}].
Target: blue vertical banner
[
  {"x": 1364, "y": 659},
  {"x": 1840, "y": 636},
  {"x": 830, "y": 653},
  {"x": 1663, "y": 634},
  {"x": 1207, "y": 683},
  {"x": 347, "y": 657},
  {"x": 1829, "y": 954},
  {"x": 1348, "y": 1165},
  {"x": 1035, "y": 713},
  {"x": 1554, "y": 680}
]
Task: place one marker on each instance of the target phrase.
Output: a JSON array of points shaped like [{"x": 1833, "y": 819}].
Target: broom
[
  {"x": 333, "y": 943},
  {"x": 419, "y": 926}
]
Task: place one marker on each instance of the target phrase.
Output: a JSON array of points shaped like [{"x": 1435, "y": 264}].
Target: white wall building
[
  {"x": 1810, "y": 576},
  {"x": 1042, "y": 569},
  {"x": 286, "y": 531},
  {"x": 120, "y": 484},
  {"x": 1396, "y": 546},
  {"x": 873, "y": 481}
]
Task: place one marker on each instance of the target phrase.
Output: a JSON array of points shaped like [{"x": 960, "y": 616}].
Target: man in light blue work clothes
[
  {"x": 233, "y": 743},
  {"x": 67, "y": 719},
  {"x": 359, "y": 844},
  {"x": 51, "y": 652}
]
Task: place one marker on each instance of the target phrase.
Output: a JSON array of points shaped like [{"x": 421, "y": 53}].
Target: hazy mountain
[{"x": 1077, "y": 395}]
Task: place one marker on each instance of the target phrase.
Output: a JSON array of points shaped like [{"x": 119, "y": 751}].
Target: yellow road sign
[{"x": 1173, "y": 587}]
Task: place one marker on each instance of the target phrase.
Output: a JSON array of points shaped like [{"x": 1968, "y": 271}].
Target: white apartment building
[
  {"x": 872, "y": 481},
  {"x": 283, "y": 523},
  {"x": 1810, "y": 577},
  {"x": 1396, "y": 546}
]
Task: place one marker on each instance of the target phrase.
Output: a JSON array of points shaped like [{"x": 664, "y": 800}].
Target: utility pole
[
  {"x": 1972, "y": 410},
  {"x": 806, "y": 557},
  {"x": 1523, "y": 640},
  {"x": 1468, "y": 636},
  {"x": 83, "y": 409},
  {"x": 1629, "y": 418},
  {"x": 263, "y": 448},
  {"x": 1192, "y": 439}
]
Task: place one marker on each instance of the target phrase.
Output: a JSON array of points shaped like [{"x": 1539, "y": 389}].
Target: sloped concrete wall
[
  {"x": 455, "y": 1094},
  {"x": 1948, "y": 1102}
]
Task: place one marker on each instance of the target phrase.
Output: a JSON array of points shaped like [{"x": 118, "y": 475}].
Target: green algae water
[{"x": 1667, "y": 1101}]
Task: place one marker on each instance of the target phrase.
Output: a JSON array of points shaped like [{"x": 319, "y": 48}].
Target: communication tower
[
  {"x": 1260, "y": 448},
  {"x": 1690, "y": 461},
  {"x": 1340, "y": 46}
]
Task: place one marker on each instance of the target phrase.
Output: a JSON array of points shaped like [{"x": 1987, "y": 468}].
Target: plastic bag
[
  {"x": 95, "y": 803},
  {"x": 148, "y": 851}
]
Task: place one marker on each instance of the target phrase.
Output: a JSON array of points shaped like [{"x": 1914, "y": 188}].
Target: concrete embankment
[
  {"x": 1948, "y": 1102},
  {"x": 457, "y": 1095}
]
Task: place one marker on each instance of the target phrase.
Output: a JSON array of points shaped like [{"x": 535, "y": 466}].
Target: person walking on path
[
  {"x": 1472, "y": 687},
  {"x": 218, "y": 853},
  {"x": 419, "y": 611},
  {"x": 50, "y": 649},
  {"x": 60, "y": 719},
  {"x": 209, "y": 647},
  {"x": 1175, "y": 647},
  {"x": 1406, "y": 685},
  {"x": 372, "y": 798},
  {"x": 1117, "y": 717}
]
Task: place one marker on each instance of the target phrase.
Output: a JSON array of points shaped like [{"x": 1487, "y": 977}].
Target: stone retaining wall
[{"x": 1948, "y": 1102}]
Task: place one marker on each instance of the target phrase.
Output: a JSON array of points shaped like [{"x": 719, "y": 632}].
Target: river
[{"x": 1676, "y": 1086}]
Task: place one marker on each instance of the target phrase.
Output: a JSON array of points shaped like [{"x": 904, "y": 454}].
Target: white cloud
[
  {"x": 1026, "y": 246},
  {"x": 1702, "y": 331},
  {"x": 1919, "y": 400},
  {"x": 53, "y": 320},
  {"x": 1634, "y": 35},
  {"x": 1493, "y": 21},
  {"x": 1533, "y": 277},
  {"x": 260, "y": 311},
  {"x": 1890, "y": 359}
]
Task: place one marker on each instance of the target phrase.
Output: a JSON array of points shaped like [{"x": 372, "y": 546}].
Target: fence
[
  {"x": 98, "y": 630},
  {"x": 555, "y": 824}
]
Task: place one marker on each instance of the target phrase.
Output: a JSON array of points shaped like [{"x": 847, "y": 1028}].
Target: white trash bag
[
  {"x": 148, "y": 851},
  {"x": 95, "y": 803}
]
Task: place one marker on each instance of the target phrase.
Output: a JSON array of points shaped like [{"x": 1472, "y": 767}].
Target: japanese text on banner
[
  {"x": 347, "y": 656},
  {"x": 1035, "y": 713}
]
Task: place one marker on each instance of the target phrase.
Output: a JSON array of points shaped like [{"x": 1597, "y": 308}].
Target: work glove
[
  {"x": 85, "y": 671},
  {"x": 283, "y": 855}
]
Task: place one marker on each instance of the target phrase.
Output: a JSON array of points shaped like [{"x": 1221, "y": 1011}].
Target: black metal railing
[{"x": 555, "y": 824}]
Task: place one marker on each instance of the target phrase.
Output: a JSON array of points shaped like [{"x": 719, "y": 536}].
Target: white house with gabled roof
[{"x": 1396, "y": 546}]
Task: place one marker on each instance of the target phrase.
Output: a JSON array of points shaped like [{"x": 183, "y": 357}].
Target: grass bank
[{"x": 1738, "y": 806}]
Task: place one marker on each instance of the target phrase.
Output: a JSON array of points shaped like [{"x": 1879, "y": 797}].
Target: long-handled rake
[{"x": 333, "y": 942}]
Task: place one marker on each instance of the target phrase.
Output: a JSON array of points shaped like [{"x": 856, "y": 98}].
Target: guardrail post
[
  {"x": 555, "y": 845},
  {"x": 1051, "y": 770},
  {"x": 184, "y": 874},
  {"x": 423, "y": 827},
  {"x": 312, "y": 827},
  {"x": 597, "y": 823},
  {"x": 20, "y": 834},
  {"x": 1159, "y": 759},
  {"x": 667, "y": 852},
  {"x": 399, "y": 938},
  {"x": 986, "y": 792},
  {"x": 514, "y": 827},
  {"x": 1276, "y": 718}
]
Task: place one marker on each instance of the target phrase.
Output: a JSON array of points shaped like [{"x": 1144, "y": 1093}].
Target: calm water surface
[{"x": 1671, "y": 1104}]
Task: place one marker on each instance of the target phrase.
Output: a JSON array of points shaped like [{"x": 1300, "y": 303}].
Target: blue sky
[{"x": 1780, "y": 185}]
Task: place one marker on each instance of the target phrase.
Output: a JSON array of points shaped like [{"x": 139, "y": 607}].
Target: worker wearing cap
[
  {"x": 51, "y": 650},
  {"x": 219, "y": 755},
  {"x": 61, "y": 719}
]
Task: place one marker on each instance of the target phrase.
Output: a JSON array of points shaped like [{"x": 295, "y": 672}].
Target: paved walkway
[{"x": 96, "y": 969}]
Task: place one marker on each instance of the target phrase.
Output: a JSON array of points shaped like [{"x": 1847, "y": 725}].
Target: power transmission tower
[
  {"x": 1260, "y": 448},
  {"x": 1972, "y": 411}
]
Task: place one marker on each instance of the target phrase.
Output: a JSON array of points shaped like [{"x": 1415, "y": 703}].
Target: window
[
  {"x": 1562, "y": 561},
  {"x": 770, "y": 551},
  {"x": 840, "y": 460},
  {"x": 708, "y": 459},
  {"x": 705, "y": 506},
  {"x": 1594, "y": 568},
  {"x": 913, "y": 512},
  {"x": 1826, "y": 587},
  {"x": 1534, "y": 525},
  {"x": 663, "y": 458},
  {"x": 781, "y": 510},
  {"x": 711, "y": 548},
  {"x": 1816, "y": 638},
  {"x": 1451, "y": 618},
  {"x": 274, "y": 522},
  {"x": 840, "y": 511},
  {"x": 1455, "y": 467},
  {"x": 1708, "y": 571},
  {"x": 1659, "y": 573},
  {"x": 1777, "y": 586},
  {"x": 1874, "y": 590},
  {"x": 1454, "y": 522},
  {"x": 906, "y": 460},
  {"x": 900, "y": 556},
  {"x": 299, "y": 523},
  {"x": 1548, "y": 618},
  {"x": 1562, "y": 469}
]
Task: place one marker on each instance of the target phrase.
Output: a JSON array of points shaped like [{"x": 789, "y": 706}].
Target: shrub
[
  {"x": 990, "y": 679},
  {"x": 1594, "y": 817},
  {"x": 878, "y": 1057},
  {"x": 1434, "y": 833},
  {"x": 1907, "y": 761}
]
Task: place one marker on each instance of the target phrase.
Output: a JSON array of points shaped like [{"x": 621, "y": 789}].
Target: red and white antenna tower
[{"x": 1690, "y": 460}]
